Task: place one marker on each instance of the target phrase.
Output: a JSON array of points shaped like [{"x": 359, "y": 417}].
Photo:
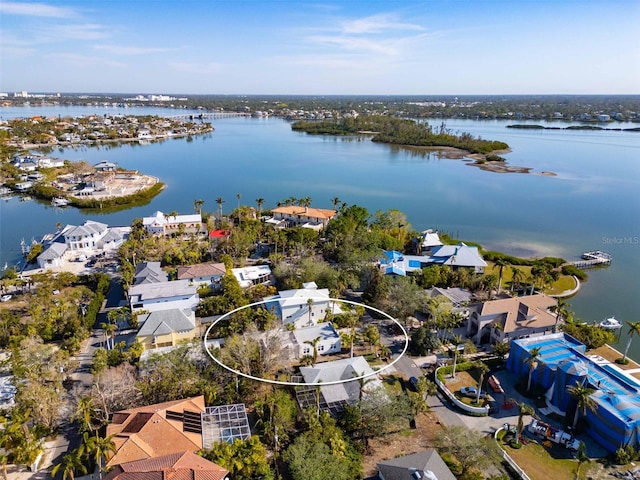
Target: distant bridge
[{"x": 208, "y": 115}]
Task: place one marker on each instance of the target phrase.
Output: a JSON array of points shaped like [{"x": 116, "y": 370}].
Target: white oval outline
[{"x": 314, "y": 384}]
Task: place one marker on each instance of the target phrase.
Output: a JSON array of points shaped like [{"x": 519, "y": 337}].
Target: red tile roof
[
  {"x": 177, "y": 466},
  {"x": 147, "y": 432},
  {"x": 201, "y": 270},
  {"x": 305, "y": 212}
]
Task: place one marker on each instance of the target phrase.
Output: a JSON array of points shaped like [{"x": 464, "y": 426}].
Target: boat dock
[{"x": 593, "y": 259}]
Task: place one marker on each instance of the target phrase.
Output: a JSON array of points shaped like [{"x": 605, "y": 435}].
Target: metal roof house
[{"x": 562, "y": 363}]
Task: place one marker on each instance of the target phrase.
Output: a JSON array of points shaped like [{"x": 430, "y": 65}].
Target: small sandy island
[{"x": 480, "y": 160}]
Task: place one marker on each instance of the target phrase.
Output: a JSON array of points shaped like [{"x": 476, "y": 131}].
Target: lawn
[
  {"x": 536, "y": 461},
  {"x": 564, "y": 282}
]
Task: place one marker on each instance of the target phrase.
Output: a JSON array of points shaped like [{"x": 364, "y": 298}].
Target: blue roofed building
[{"x": 563, "y": 362}]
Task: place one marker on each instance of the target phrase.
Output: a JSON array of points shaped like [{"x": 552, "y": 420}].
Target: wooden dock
[{"x": 593, "y": 259}]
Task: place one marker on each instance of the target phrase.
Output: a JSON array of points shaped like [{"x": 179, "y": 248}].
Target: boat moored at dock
[{"x": 610, "y": 324}]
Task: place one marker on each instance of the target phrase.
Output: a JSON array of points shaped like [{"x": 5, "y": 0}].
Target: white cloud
[
  {"x": 377, "y": 24},
  {"x": 355, "y": 44},
  {"x": 81, "y": 31},
  {"x": 36, "y": 10},
  {"x": 128, "y": 50}
]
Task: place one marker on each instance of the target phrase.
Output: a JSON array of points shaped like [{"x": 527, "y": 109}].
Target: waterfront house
[
  {"x": 105, "y": 166},
  {"x": 161, "y": 224},
  {"x": 86, "y": 239},
  {"x": 563, "y": 362},
  {"x": 297, "y": 216},
  {"x": 430, "y": 240},
  {"x": 52, "y": 256},
  {"x": 23, "y": 186},
  {"x": 502, "y": 320},
  {"x": 458, "y": 256},
  {"x": 166, "y": 328}
]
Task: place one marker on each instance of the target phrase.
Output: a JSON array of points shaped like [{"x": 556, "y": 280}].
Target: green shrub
[{"x": 575, "y": 271}]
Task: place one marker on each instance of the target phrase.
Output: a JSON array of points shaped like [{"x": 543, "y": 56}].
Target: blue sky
[{"x": 317, "y": 47}]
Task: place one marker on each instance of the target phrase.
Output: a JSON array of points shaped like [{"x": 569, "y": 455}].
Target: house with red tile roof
[
  {"x": 175, "y": 466},
  {"x": 298, "y": 216},
  {"x": 209, "y": 274},
  {"x": 156, "y": 430}
]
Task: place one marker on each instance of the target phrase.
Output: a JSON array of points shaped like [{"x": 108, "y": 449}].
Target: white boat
[
  {"x": 59, "y": 202},
  {"x": 610, "y": 324}
]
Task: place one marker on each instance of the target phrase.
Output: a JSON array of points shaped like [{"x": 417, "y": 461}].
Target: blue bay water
[{"x": 590, "y": 204}]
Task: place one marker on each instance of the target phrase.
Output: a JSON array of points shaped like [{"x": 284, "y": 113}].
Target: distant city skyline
[{"x": 284, "y": 47}]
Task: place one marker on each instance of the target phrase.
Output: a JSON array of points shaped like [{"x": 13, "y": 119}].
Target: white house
[
  {"x": 294, "y": 306},
  {"x": 328, "y": 339},
  {"x": 255, "y": 275},
  {"x": 430, "y": 240},
  {"x": 52, "y": 256},
  {"x": 86, "y": 239},
  {"x": 154, "y": 297},
  {"x": 161, "y": 224},
  {"x": 460, "y": 255}
]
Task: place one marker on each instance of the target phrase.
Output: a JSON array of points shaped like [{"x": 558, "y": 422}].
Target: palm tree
[
  {"x": 523, "y": 409},
  {"x": 583, "y": 398},
  {"x": 260, "y": 203},
  {"x": 310, "y": 306},
  {"x": 306, "y": 360},
  {"x": 532, "y": 363},
  {"x": 363, "y": 383},
  {"x": 335, "y": 201},
  {"x": 314, "y": 344},
  {"x": 517, "y": 276},
  {"x": 350, "y": 338},
  {"x": 98, "y": 448},
  {"x": 109, "y": 332},
  {"x": 219, "y": 201},
  {"x": 69, "y": 464},
  {"x": 500, "y": 263},
  {"x": 482, "y": 370},
  {"x": 197, "y": 205},
  {"x": 84, "y": 414},
  {"x": 634, "y": 328}
]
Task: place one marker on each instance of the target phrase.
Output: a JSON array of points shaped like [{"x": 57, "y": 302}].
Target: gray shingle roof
[
  {"x": 402, "y": 468},
  {"x": 56, "y": 250},
  {"x": 165, "y": 322}
]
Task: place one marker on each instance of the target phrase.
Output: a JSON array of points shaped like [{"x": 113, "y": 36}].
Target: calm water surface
[{"x": 590, "y": 204}]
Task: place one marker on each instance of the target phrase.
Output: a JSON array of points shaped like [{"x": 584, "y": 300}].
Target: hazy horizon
[{"x": 333, "y": 48}]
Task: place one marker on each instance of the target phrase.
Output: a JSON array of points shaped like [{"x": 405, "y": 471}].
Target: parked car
[
  {"x": 6, "y": 298},
  {"x": 413, "y": 381},
  {"x": 471, "y": 392}
]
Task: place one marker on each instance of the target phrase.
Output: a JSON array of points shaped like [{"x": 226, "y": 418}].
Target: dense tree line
[{"x": 387, "y": 129}]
